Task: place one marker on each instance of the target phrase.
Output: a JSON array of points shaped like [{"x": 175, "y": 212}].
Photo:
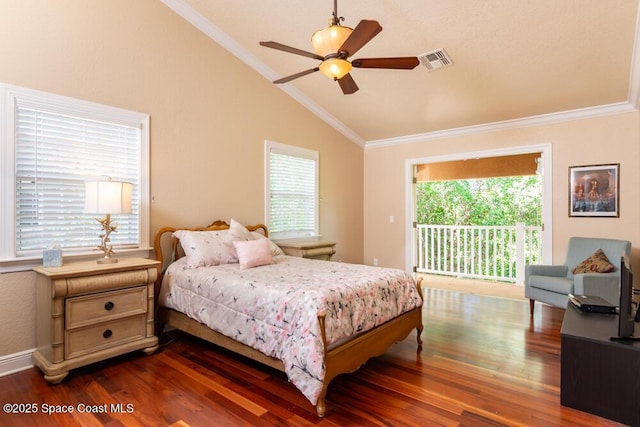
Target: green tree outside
[{"x": 493, "y": 201}]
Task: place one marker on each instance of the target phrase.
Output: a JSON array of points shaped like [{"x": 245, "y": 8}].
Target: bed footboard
[{"x": 353, "y": 354}]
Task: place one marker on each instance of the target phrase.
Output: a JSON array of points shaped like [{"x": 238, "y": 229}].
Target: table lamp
[{"x": 107, "y": 197}]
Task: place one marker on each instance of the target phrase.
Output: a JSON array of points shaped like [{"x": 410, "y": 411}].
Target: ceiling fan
[{"x": 334, "y": 44}]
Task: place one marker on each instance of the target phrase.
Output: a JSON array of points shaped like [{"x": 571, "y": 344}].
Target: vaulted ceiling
[{"x": 513, "y": 61}]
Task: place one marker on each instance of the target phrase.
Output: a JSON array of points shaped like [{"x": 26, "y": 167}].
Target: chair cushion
[
  {"x": 560, "y": 285},
  {"x": 596, "y": 263}
]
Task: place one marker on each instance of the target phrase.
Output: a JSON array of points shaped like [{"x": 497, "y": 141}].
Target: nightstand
[
  {"x": 314, "y": 248},
  {"x": 88, "y": 312}
]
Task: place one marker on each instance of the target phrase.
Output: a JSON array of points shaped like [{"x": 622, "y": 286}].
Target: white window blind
[
  {"x": 55, "y": 155},
  {"x": 51, "y": 146},
  {"x": 292, "y": 191}
]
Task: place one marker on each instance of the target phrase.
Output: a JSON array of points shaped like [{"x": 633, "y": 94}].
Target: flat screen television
[{"x": 627, "y": 313}]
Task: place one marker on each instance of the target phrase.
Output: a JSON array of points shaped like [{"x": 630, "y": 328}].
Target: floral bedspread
[{"x": 274, "y": 308}]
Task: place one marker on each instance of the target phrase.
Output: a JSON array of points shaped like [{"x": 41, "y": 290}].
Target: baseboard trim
[{"x": 16, "y": 362}]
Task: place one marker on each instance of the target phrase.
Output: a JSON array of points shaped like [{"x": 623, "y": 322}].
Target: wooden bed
[{"x": 345, "y": 358}]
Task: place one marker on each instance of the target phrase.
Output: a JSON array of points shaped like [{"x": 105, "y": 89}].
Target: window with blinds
[
  {"x": 292, "y": 191},
  {"x": 58, "y": 144}
]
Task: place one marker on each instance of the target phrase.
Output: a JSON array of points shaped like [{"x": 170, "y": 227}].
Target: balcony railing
[{"x": 479, "y": 252}]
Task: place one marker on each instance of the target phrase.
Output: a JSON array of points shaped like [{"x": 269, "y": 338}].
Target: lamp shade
[
  {"x": 335, "y": 68},
  {"x": 330, "y": 39},
  {"x": 107, "y": 197}
]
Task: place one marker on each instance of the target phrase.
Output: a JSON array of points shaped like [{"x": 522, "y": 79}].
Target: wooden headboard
[{"x": 175, "y": 252}]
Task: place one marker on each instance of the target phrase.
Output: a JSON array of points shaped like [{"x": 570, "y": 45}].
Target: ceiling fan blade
[
  {"x": 285, "y": 48},
  {"x": 295, "y": 76},
  {"x": 404, "y": 63},
  {"x": 364, "y": 31},
  {"x": 348, "y": 85}
]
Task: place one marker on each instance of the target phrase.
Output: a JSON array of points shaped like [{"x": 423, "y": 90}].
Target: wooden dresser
[
  {"x": 314, "y": 248},
  {"x": 87, "y": 312}
]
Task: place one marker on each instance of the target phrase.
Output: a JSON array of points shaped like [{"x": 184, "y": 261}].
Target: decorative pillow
[
  {"x": 253, "y": 253},
  {"x": 205, "y": 248},
  {"x": 275, "y": 249},
  {"x": 596, "y": 263}
]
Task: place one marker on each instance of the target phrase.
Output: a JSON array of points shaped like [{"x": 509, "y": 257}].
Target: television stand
[{"x": 599, "y": 375}]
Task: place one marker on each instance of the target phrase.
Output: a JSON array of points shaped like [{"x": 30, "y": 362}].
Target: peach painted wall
[
  {"x": 607, "y": 139},
  {"x": 210, "y": 114}
]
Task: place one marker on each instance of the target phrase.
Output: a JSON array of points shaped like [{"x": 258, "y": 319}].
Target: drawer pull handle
[
  {"x": 107, "y": 333},
  {"x": 109, "y": 306}
]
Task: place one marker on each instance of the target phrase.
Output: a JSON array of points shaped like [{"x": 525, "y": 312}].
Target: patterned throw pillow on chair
[{"x": 596, "y": 263}]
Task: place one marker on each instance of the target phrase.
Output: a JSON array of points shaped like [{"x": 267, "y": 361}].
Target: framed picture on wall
[{"x": 594, "y": 191}]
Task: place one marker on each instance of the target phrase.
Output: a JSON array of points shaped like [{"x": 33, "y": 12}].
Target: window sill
[
  {"x": 294, "y": 239},
  {"x": 15, "y": 265}
]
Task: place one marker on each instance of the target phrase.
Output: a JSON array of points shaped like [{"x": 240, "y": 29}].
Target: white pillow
[
  {"x": 238, "y": 232},
  {"x": 275, "y": 249},
  {"x": 253, "y": 253},
  {"x": 206, "y": 248}
]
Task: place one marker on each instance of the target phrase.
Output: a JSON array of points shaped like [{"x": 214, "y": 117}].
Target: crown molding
[
  {"x": 192, "y": 16},
  {"x": 214, "y": 32},
  {"x": 544, "y": 119},
  {"x": 634, "y": 73}
]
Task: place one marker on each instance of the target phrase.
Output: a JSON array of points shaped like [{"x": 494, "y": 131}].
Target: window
[
  {"x": 291, "y": 191},
  {"x": 50, "y": 146}
]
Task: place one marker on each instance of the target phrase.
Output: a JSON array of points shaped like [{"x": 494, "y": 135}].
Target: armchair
[{"x": 552, "y": 283}]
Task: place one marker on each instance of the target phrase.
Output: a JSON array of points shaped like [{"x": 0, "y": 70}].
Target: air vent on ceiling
[{"x": 435, "y": 59}]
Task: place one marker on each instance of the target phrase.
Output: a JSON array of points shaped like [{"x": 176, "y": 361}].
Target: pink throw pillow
[{"x": 253, "y": 253}]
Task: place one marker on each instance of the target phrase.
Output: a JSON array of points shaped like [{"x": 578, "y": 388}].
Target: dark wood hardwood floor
[{"x": 484, "y": 363}]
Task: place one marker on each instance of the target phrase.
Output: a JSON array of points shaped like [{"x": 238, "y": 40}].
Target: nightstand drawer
[
  {"x": 105, "y": 335},
  {"x": 91, "y": 309}
]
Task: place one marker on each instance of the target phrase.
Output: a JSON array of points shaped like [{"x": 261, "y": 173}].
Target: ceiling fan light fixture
[
  {"x": 334, "y": 45},
  {"x": 335, "y": 68},
  {"x": 330, "y": 39}
]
